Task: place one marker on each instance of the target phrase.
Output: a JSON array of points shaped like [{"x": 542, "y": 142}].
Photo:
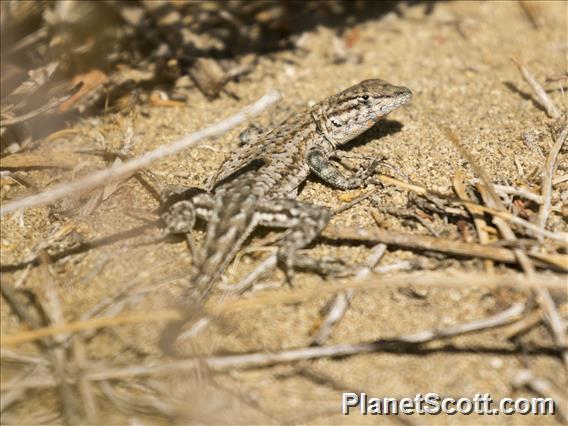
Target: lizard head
[{"x": 351, "y": 112}]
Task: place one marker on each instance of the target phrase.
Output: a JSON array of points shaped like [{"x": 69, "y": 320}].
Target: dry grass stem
[
  {"x": 543, "y": 97},
  {"x": 520, "y": 192},
  {"x": 263, "y": 359},
  {"x": 543, "y": 296},
  {"x": 529, "y": 227},
  {"x": 491, "y": 198},
  {"x": 559, "y": 180},
  {"x": 266, "y": 265},
  {"x": 10, "y": 397},
  {"x": 340, "y": 303},
  {"x": 57, "y": 355},
  {"x": 86, "y": 390},
  {"x": 122, "y": 170},
  {"x": 51, "y": 103},
  {"x": 530, "y": 320},
  {"x": 423, "y": 242},
  {"x": 59, "y": 159},
  {"x": 477, "y": 215},
  {"x": 527, "y": 379},
  {"x": 548, "y": 174},
  {"x": 18, "y": 358},
  {"x": 428, "y": 279}
]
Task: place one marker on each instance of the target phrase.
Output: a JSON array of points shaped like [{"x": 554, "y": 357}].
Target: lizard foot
[
  {"x": 365, "y": 173},
  {"x": 180, "y": 217},
  {"x": 326, "y": 267}
]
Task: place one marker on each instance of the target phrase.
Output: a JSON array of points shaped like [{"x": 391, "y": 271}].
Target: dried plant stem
[
  {"x": 266, "y": 265},
  {"x": 526, "y": 378},
  {"x": 85, "y": 387},
  {"x": 477, "y": 216},
  {"x": 529, "y": 227},
  {"x": 491, "y": 198},
  {"x": 262, "y": 359},
  {"x": 51, "y": 304},
  {"x": 433, "y": 279},
  {"x": 545, "y": 100},
  {"x": 547, "y": 175},
  {"x": 122, "y": 170},
  {"x": 423, "y": 242},
  {"x": 529, "y": 321},
  {"x": 52, "y": 103},
  {"x": 544, "y": 298},
  {"x": 340, "y": 303},
  {"x": 520, "y": 192}
]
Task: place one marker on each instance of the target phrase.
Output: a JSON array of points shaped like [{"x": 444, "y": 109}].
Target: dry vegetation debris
[{"x": 90, "y": 70}]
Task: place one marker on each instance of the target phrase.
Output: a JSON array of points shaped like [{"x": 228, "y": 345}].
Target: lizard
[{"x": 257, "y": 185}]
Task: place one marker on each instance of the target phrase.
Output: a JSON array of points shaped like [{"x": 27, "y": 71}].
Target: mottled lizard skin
[{"x": 257, "y": 186}]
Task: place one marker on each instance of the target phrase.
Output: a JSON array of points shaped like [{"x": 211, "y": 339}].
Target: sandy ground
[{"x": 457, "y": 63}]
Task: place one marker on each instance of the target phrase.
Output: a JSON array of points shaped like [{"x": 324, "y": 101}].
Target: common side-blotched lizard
[{"x": 257, "y": 186}]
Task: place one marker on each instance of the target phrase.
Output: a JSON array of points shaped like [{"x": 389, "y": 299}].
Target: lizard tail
[{"x": 225, "y": 237}]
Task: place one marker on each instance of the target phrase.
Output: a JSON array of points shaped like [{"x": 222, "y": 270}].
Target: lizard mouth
[{"x": 404, "y": 94}]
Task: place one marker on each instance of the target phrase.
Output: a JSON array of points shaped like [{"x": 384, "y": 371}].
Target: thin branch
[
  {"x": 526, "y": 378},
  {"x": 266, "y": 265},
  {"x": 8, "y": 355},
  {"x": 492, "y": 200},
  {"x": 52, "y": 103},
  {"x": 519, "y": 192},
  {"x": 122, "y": 170},
  {"x": 545, "y": 100},
  {"x": 547, "y": 175},
  {"x": 505, "y": 317},
  {"x": 429, "y": 279},
  {"x": 423, "y": 242},
  {"x": 263, "y": 359},
  {"x": 529, "y": 227},
  {"x": 477, "y": 216},
  {"x": 56, "y": 354},
  {"x": 85, "y": 387},
  {"x": 341, "y": 302},
  {"x": 544, "y": 299}
]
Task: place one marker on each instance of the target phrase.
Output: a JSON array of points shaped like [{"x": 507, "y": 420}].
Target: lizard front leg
[
  {"x": 251, "y": 134},
  {"x": 320, "y": 162},
  {"x": 304, "y": 222}
]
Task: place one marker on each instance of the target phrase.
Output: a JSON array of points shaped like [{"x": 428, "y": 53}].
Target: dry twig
[
  {"x": 548, "y": 174},
  {"x": 545, "y": 100},
  {"x": 104, "y": 176},
  {"x": 433, "y": 279},
  {"x": 340, "y": 303},
  {"x": 477, "y": 216},
  {"x": 492, "y": 199},
  {"x": 263, "y": 359},
  {"x": 529, "y": 227},
  {"x": 525, "y": 378},
  {"x": 427, "y": 243}
]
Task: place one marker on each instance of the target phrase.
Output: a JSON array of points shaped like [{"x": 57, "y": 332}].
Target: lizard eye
[{"x": 364, "y": 98}]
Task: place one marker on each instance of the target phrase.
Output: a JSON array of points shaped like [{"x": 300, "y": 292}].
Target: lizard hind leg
[
  {"x": 180, "y": 210},
  {"x": 180, "y": 217},
  {"x": 304, "y": 222}
]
